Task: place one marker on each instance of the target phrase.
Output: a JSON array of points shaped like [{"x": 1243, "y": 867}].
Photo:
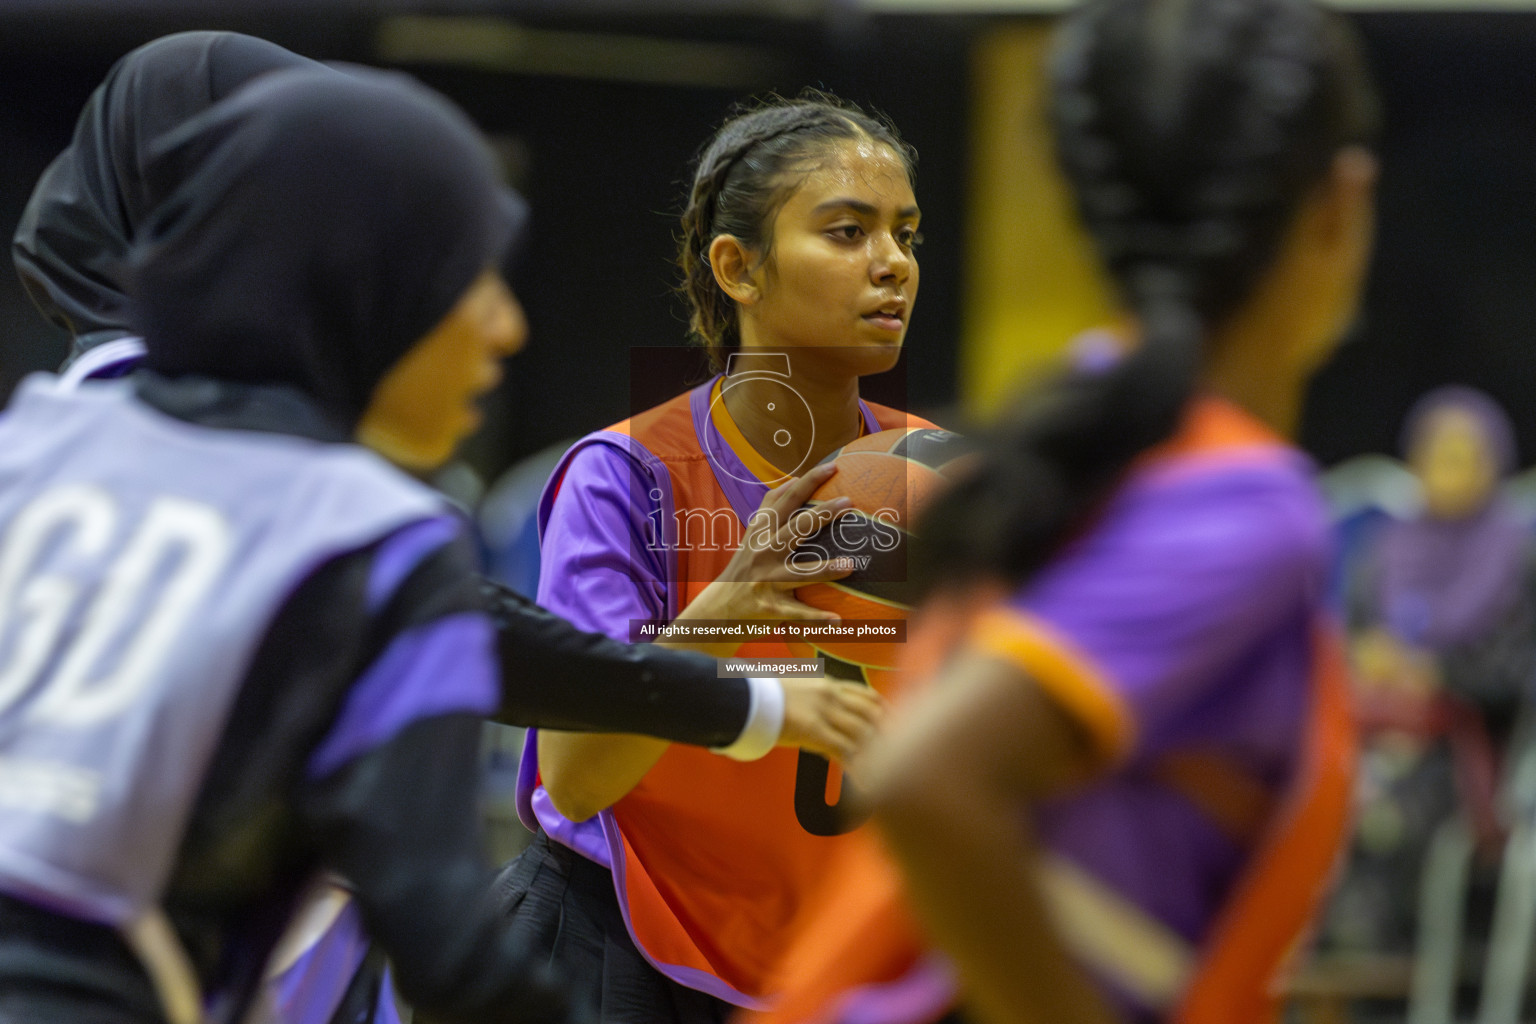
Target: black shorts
[{"x": 565, "y": 909}]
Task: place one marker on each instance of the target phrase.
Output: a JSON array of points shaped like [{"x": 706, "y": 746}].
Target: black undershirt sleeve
[
  {"x": 400, "y": 824},
  {"x": 555, "y": 676}
]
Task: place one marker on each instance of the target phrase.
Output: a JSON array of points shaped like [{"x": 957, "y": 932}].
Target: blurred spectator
[
  {"x": 1441, "y": 601},
  {"x": 1448, "y": 596}
]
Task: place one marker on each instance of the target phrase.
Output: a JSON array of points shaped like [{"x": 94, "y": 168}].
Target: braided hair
[
  {"x": 744, "y": 174},
  {"x": 1189, "y": 131}
]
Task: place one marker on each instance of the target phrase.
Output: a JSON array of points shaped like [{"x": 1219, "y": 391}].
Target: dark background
[{"x": 1452, "y": 295}]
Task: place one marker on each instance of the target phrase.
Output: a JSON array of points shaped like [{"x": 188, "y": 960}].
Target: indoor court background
[
  {"x": 596, "y": 107},
  {"x": 599, "y": 103}
]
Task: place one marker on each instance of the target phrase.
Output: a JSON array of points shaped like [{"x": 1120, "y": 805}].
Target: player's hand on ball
[
  {"x": 759, "y": 581},
  {"x": 830, "y": 717}
]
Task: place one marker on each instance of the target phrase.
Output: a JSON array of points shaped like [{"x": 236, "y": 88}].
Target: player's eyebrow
[{"x": 864, "y": 209}]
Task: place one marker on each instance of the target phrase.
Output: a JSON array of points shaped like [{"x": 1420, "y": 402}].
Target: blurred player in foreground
[
  {"x": 1121, "y": 798},
  {"x": 238, "y": 646}
]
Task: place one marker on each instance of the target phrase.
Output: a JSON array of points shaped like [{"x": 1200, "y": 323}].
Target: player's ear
[{"x": 733, "y": 266}]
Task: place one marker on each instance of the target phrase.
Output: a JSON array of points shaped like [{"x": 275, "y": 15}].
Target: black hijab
[
  {"x": 75, "y": 232},
  {"x": 315, "y": 226}
]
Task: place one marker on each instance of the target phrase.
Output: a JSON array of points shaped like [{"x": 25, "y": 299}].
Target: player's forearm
[
  {"x": 971, "y": 870},
  {"x": 952, "y": 783},
  {"x": 585, "y": 773},
  {"x": 556, "y": 676}
]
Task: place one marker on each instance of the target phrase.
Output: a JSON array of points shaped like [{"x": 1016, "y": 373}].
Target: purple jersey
[
  {"x": 1179, "y": 625},
  {"x": 1180, "y": 629}
]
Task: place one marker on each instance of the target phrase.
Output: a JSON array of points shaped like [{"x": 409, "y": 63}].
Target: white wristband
[{"x": 765, "y": 721}]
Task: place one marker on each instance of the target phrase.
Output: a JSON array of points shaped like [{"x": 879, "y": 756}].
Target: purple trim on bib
[
  {"x": 527, "y": 771},
  {"x": 445, "y": 667},
  {"x": 386, "y": 1012},
  {"x": 311, "y": 988},
  {"x": 113, "y": 359},
  {"x": 403, "y": 552},
  {"x": 922, "y": 995},
  {"x": 598, "y": 839},
  {"x": 537, "y": 811},
  {"x": 688, "y": 977},
  {"x": 585, "y": 837},
  {"x": 871, "y": 424}
]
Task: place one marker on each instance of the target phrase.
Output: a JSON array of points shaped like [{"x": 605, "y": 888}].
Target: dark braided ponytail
[
  {"x": 1189, "y": 131},
  {"x": 744, "y": 174}
]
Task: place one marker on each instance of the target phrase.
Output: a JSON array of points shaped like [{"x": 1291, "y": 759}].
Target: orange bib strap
[
  {"x": 1274, "y": 901},
  {"x": 1233, "y": 800}
]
